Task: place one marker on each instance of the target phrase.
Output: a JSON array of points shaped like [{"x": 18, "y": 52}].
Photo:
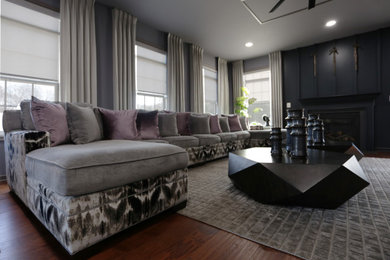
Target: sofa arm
[{"x": 16, "y": 145}]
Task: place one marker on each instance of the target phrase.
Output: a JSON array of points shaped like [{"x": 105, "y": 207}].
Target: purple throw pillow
[
  {"x": 51, "y": 118},
  {"x": 119, "y": 124},
  {"x": 183, "y": 123},
  {"x": 215, "y": 127},
  {"x": 234, "y": 123},
  {"x": 147, "y": 124}
]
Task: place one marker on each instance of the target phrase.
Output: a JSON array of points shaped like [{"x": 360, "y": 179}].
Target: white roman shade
[
  {"x": 151, "y": 71},
  {"x": 29, "y": 43},
  {"x": 210, "y": 86}
]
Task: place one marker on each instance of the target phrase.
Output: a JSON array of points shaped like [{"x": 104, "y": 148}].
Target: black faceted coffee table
[{"x": 322, "y": 180}]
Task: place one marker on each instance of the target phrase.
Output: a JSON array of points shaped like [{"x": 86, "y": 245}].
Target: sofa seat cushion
[
  {"x": 205, "y": 139},
  {"x": 161, "y": 141},
  {"x": 182, "y": 141},
  {"x": 242, "y": 135},
  {"x": 227, "y": 137},
  {"x": 72, "y": 170}
]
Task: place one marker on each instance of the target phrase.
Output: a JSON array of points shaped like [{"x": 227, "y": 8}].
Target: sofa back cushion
[
  {"x": 183, "y": 123},
  {"x": 215, "y": 127},
  {"x": 83, "y": 124},
  {"x": 200, "y": 124},
  {"x": 167, "y": 124},
  {"x": 147, "y": 124},
  {"x": 224, "y": 123},
  {"x": 51, "y": 118},
  {"x": 234, "y": 123},
  {"x": 119, "y": 124}
]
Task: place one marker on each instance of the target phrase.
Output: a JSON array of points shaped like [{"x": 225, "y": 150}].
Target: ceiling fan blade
[
  {"x": 312, "y": 4},
  {"x": 276, "y": 6}
]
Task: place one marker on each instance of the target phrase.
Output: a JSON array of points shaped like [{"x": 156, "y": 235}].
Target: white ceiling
[{"x": 222, "y": 27}]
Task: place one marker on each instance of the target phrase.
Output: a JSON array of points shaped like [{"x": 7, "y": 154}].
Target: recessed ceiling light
[
  {"x": 330, "y": 23},
  {"x": 249, "y": 44}
]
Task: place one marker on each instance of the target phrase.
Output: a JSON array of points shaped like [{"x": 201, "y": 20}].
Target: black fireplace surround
[{"x": 346, "y": 119}]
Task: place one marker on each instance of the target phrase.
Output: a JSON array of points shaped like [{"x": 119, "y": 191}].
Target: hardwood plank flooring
[{"x": 168, "y": 236}]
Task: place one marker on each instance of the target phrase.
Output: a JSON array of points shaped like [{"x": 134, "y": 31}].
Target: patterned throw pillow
[
  {"x": 147, "y": 124},
  {"x": 51, "y": 118},
  {"x": 119, "y": 124}
]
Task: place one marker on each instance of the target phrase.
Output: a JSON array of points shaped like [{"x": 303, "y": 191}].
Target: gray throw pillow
[
  {"x": 224, "y": 123},
  {"x": 244, "y": 123},
  {"x": 83, "y": 124},
  {"x": 167, "y": 124},
  {"x": 200, "y": 124},
  {"x": 25, "y": 108}
]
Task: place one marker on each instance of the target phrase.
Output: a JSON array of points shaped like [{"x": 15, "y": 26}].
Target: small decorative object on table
[
  {"x": 318, "y": 133},
  {"x": 266, "y": 120},
  {"x": 310, "y": 125},
  {"x": 298, "y": 134},
  {"x": 291, "y": 114},
  {"x": 276, "y": 141}
]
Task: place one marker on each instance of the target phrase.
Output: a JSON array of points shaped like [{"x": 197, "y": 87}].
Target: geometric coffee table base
[{"x": 323, "y": 180}]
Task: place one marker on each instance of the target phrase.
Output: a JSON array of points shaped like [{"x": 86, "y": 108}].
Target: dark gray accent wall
[
  {"x": 382, "y": 102},
  {"x": 187, "y": 77},
  {"x": 257, "y": 63},
  {"x": 344, "y": 88},
  {"x": 144, "y": 34},
  {"x": 209, "y": 61},
  {"x": 103, "y": 24},
  {"x": 151, "y": 36},
  {"x": 2, "y": 161},
  {"x": 230, "y": 80}
]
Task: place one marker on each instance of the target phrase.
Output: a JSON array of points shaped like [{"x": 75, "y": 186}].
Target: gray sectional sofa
[{"x": 84, "y": 193}]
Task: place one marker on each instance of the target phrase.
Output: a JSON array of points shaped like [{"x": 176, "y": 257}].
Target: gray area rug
[{"x": 359, "y": 229}]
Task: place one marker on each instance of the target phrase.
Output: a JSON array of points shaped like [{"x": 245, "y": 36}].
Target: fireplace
[
  {"x": 341, "y": 127},
  {"x": 347, "y": 119}
]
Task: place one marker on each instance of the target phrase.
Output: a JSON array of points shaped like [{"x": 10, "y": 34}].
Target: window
[
  {"x": 151, "y": 80},
  {"x": 258, "y": 85},
  {"x": 210, "y": 84},
  {"x": 14, "y": 89},
  {"x": 29, "y": 56}
]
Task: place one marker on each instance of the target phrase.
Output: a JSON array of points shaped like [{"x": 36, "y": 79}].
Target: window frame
[
  {"x": 29, "y": 80},
  {"x": 216, "y": 107},
  {"x": 263, "y": 69},
  {"x": 147, "y": 93}
]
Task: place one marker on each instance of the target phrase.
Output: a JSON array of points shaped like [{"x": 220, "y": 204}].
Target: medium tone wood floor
[{"x": 169, "y": 236}]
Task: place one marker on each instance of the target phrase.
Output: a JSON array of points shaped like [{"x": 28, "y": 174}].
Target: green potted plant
[{"x": 243, "y": 102}]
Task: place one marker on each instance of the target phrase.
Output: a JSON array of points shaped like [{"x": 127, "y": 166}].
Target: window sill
[{"x": 1, "y": 135}]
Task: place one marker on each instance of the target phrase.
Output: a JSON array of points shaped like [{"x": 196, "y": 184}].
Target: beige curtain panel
[
  {"x": 223, "y": 87},
  {"x": 78, "y": 51},
  {"x": 275, "y": 62},
  {"x": 238, "y": 79},
  {"x": 176, "y": 92},
  {"x": 196, "y": 79},
  {"x": 123, "y": 43}
]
